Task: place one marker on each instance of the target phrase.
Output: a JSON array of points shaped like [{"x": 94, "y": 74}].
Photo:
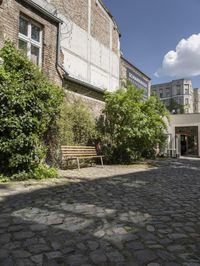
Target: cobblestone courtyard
[{"x": 114, "y": 215}]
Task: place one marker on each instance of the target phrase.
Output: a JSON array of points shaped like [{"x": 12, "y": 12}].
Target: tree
[
  {"x": 77, "y": 125},
  {"x": 175, "y": 107},
  {"x": 30, "y": 105},
  {"x": 132, "y": 126}
]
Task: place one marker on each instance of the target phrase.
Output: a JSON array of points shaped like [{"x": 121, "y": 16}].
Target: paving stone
[
  {"x": 23, "y": 235},
  {"x": 37, "y": 258},
  {"x": 98, "y": 257},
  {"x": 3, "y": 253},
  {"x": 115, "y": 256},
  {"x": 21, "y": 253},
  {"x": 35, "y": 249},
  {"x": 76, "y": 260},
  {"x": 145, "y": 256},
  {"x": 114, "y": 215},
  {"x": 93, "y": 245},
  {"x": 150, "y": 228}
]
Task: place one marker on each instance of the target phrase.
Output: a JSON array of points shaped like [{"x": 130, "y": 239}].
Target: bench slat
[{"x": 79, "y": 152}]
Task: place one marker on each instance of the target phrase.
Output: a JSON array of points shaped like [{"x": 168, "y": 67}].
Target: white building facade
[{"x": 177, "y": 95}]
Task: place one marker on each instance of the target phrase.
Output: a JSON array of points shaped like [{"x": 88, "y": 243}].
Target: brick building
[
  {"x": 34, "y": 30},
  {"x": 80, "y": 37},
  {"x": 129, "y": 72},
  {"x": 89, "y": 40},
  {"x": 75, "y": 42}
]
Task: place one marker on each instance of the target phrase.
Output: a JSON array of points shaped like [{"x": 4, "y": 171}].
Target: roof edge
[
  {"x": 122, "y": 57},
  {"x": 42, "y": 10},
  {"x": 80, "y": 82},
  {"x": 111, "y": 16}
]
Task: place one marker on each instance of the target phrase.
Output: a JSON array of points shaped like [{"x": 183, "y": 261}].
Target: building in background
[
  {"x": 177, "y": 95},
  {"x": 196, "y": 100},
  {"x": 184, "y": 135},
  {"x": 128, "y": 72}
]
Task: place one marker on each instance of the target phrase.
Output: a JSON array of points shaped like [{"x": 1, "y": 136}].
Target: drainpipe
[{"x": 58, "y": 51}]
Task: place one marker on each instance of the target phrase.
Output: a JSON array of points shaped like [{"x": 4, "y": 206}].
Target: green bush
[
  {"x": 77, "y": 125},
  {"x": 131, "y": 126},
  {"x": 30, "y": 105}
]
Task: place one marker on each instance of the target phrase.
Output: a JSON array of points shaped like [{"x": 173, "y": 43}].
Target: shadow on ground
[{"x": 134, "y": 219}]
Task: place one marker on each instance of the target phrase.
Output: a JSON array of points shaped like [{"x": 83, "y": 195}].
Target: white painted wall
[
  {"x": 85, "y": 58},
  {"x": 89, "y": 60}
]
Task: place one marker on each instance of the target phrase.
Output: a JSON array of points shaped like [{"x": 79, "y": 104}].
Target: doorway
[{"x": 188, "y": 141}]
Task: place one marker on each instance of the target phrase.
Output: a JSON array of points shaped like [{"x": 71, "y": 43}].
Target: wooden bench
[{"x": 79, "y": 152}]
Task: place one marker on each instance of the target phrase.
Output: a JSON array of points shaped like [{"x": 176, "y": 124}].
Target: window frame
[{"x": 28, "y": 39}]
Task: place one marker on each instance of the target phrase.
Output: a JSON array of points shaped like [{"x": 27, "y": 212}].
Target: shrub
[
  {"x": 132, "y": 126},
  {"x": 77, "y": 125},
  {"x": 30, "y": 104}
]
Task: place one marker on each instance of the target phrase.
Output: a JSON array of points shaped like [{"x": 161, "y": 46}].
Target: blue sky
[{"x": 152, "y": 28}]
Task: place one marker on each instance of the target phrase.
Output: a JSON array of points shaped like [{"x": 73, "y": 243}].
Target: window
[
  {"x": 187, "y": 89},
  {"x": 186, "y": 101},
  {"x": 30, "y": 40},
  {"x": 161, "y": 93},
  {"x": 167, "y": 92},
  {"x": 178, "y": 89}
]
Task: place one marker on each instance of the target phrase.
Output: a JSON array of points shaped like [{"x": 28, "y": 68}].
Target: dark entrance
[{"x": 188, "y": 140}]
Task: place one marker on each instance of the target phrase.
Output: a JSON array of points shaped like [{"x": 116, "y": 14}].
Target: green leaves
[
  {"x": 30, "y": 104},
  {"x": 77, "y": 124},
  {"x": 132, "y": 126}
]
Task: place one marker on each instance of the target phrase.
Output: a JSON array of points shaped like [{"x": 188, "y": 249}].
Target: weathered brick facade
[
  {"x": 94, "y": 100},
  {"x": 115, "y": 40},
  {"x": 100, "y": 24},
  {"x": 90, "y": 15},
  {"x": 75, "y": 10},
  {"x": 10, "y": 11}
]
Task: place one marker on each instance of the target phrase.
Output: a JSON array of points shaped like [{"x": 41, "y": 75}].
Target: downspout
[{"x": 58, "y": 64}]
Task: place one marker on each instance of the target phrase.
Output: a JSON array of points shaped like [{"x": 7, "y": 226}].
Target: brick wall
[
  {"x": 115, "y": 40},
  {"x": 10, "y": 11},
  {"x": 75, "y": 10},
  {"x": 100, "y": 24},
  {"x": 94, "y": 100}
]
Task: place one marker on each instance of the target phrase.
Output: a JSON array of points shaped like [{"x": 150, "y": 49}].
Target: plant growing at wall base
[
  {"x": 77, "y": 125},
  {"x": 132, "y": 126},
  {"x": 30, "y": 104}
]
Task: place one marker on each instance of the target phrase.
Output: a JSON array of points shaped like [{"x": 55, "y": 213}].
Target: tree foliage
[
  {"x": 77, "y": 125},
  {"x": 132, "y": 126},
  {"x": 30, "y": 104}
]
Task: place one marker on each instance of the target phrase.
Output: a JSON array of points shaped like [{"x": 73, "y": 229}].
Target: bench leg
[
  {"x": 101, "y": 161},
  {"x": 78, "y": 163}
]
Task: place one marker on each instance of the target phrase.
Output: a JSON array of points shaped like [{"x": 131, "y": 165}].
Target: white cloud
[{"x": 184, "y": 61}]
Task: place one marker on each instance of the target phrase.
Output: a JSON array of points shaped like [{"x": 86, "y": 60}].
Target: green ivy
[{"x": 30, "y": 105}]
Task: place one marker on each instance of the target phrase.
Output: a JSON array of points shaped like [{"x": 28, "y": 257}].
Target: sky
[{"x": 160, "y": 37}]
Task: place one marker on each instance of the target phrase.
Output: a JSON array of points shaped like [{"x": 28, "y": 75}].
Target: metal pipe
[{"x": 58, "y": 51}]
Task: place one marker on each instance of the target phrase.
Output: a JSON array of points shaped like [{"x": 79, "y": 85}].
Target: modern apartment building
[
  {"x": 177, "y": 95},
  {"x": 196, "y": 100}
]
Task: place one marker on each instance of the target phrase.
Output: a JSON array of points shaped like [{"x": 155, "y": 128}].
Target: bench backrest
[{"x": 77, "y": 151}]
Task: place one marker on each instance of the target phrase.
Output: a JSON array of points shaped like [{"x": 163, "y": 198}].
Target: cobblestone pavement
[{"x": 123, "y": 216}]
